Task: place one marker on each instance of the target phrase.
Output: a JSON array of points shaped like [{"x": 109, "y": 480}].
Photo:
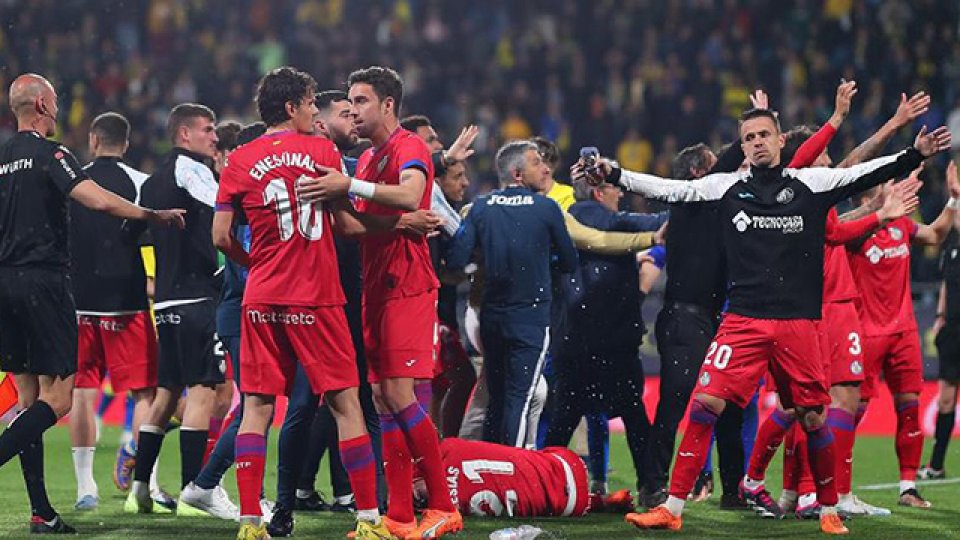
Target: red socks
[
  {"x": 397, "y": 470},
  {"x": 357, "y": 457},
  {"x": 909, "y": 439},
  {"x": 843, "y": 425},
  {"x": 213, "y": 435},
  {"x": 769, "y": 438},
  {"x": 251, "y": 450},
  {"x": 820, "y": 447},
  {"x": 694, "y": 446},
  {"x": 421, "y": 437}
]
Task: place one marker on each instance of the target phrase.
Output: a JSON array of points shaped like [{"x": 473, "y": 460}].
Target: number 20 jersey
[
  {"x": 293, "y": 261},
  {"x": 487, "y": 479}
]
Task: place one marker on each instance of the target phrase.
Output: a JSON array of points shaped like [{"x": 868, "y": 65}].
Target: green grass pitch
[{"x": 875, "y": 463}]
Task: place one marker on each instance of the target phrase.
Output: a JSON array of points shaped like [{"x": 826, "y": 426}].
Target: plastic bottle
[{"x": 523, "y": 532}]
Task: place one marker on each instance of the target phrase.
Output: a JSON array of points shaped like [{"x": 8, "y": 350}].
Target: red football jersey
[
  {"x": 882, "y": 269},
  {"x": 293, "y": 261},
  {"x": 487, "y": 479},
  {"x": 395, "y": 264},
  {"x": 838, "y": 284}
]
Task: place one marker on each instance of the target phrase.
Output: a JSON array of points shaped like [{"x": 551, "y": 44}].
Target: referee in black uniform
[{"x": 38, "y": 325}]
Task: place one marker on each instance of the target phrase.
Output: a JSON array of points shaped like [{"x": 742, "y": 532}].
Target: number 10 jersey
[{"x": 293, "y": 261}]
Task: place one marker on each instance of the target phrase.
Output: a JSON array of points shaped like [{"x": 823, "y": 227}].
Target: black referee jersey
[
  {"x": 38, "y": 324},
  {"x": 36, "y": 176}
]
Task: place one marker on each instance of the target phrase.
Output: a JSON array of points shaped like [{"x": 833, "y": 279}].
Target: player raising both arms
[{"x": 773, "y": 222}]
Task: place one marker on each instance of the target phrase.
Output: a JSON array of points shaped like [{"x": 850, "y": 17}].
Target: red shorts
[
  {"x": 123, "y": 345},
  {"x": 400, "y": 336},
  {"x": 842, "y": 339},
  {"x": 274, "y": 338},
  {"x": 450, "y": 353},
  {"x": 745, "y": 348},
  {"x": 898, "y": 358}
]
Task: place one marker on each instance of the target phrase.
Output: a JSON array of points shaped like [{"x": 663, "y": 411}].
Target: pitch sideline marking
[{"x": 879, "y": 487}]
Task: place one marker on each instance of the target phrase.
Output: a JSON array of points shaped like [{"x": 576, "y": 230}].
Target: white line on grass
[{"x": 879, "y": 487}]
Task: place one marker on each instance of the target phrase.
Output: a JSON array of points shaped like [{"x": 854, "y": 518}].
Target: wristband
[
  {"x": 953, "y": 204},
  {"x": 614, "y": 176},
  {"x": 361, "y": 188}
]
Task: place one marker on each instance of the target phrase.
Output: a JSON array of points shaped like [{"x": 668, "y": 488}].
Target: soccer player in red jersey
[
  {"x": 399, "y": 297},
  {"x": 293, "y": 303},
  {"x": 487, "y": 479},
  {"x": 891, "y": 344},
  {"x": 773, "y": 223}
]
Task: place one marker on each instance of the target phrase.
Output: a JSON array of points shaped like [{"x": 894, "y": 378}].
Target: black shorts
[
  {"x": 189, "y": 352},
  {"x": 948, "y": 349},
  {"x": 38, "y": 322}
]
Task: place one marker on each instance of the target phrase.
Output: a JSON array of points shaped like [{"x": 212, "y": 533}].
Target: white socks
[
  {"x": 751, "y": 484},
  {"x": 372, "y": 515},
  {"x": 807, "y": 499},
  {"x": 83, "y": 467},
  {"x": 675, "y": 505},
  {"x": 907, "y": 484},
  {"x": 154, "y": 484}
]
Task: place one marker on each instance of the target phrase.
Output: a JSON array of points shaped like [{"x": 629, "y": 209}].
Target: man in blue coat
[
  {"x": 520, "y": 234},
  {"x": 599, "y": 371}
]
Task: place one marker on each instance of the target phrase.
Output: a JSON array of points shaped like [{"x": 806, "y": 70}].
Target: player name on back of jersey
[
  {"x": 284, "y": 159},
  {"x": 16, "y": 165}
]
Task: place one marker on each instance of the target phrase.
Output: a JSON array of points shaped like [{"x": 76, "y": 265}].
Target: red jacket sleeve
[
  {"x": 812, "y": 147},
  {"x": 839, "y": 232}
]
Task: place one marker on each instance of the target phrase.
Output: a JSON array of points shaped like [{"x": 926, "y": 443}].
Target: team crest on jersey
[
  {"x": 704, "y": 378},
  {"x": 382, "y": 164},
  {"x": 785, "y": 195},
  {"x": 856, "y": 367},
  {"x": 896, "y": 233},
  {"x": 741, "y": 221}
]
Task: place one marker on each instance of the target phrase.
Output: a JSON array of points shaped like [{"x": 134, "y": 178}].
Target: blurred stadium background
[{"x": 640, "y": 79}]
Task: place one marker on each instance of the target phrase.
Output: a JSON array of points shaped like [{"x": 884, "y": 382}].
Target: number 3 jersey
[
  {"x": 293, "y": 261},
  {"x": 487, "y": 479}
]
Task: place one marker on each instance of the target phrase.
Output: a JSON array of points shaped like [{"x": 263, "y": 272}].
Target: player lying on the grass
[
  {"x": 38, "y": 320},
  {"x": 773, "y": 221},
  {"x": 494, "y": 480}
]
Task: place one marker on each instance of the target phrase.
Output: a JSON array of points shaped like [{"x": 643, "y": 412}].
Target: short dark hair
[
  {"x": 112, "y": 128},
  {"x": 385, "y": 81},
  {"x": 251, "y": 132},
  {"x": 414, "y": 121},
  {"x": 691, "y": 158},
  {"x": 750, "y": 114},
  {"x": 548, "y": 150},
  {"x": 793, "y": 139},
  {"x": 185, "y": 113},
  {"x": 227, "y": 135},
  {"x": 279, "y": 87},
  {"x": 328, "y": 97}
]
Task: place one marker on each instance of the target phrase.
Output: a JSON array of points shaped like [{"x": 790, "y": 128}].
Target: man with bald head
[{"x": 38, "y": 325}]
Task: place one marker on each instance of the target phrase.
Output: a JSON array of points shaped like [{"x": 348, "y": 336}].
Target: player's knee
[
  {"x": 947, "y": 404},
  {"x": 711, "y": 403},
  {"x": 811, "y": 417}
]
